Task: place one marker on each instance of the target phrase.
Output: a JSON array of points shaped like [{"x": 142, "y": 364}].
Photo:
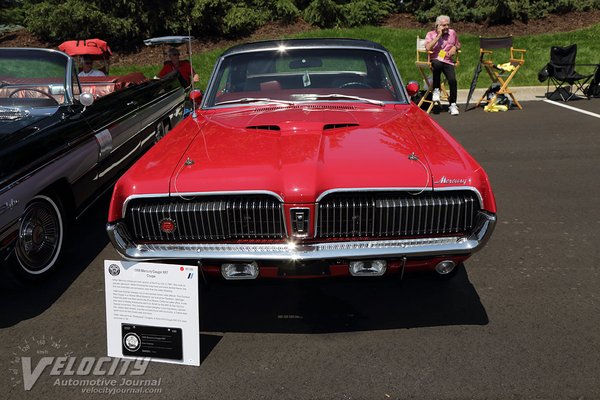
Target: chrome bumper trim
[{"x": 431, "y": 247}]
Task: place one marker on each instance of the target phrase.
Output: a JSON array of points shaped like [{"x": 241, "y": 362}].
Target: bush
[
  {"x": 366, "y": 12},
  {"x": 323, "y": 13},
  {"x": 75, "y": 19},
  {"x": 207, "y": 16},
  {"x": 284, "y": 11},
  {"x": 125, "y": 23},
  {"x": 492, "y": 11},
  {"x": 242, "y": 20},
  {"x": 455, "y": 9},
  {"x": 11, "y": 13}
]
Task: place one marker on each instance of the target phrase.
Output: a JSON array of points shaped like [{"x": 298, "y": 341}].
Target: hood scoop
[
  {"x": 338, "y": 126},
  {"x": 304, "y": 107},
  {"x": 12, "y": 114},
  {"x": 264, "y": 127}
]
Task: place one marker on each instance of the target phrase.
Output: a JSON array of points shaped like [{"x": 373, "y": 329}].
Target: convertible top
[{"x": 95, "y": 48}]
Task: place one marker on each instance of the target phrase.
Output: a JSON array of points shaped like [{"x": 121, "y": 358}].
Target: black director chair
[{"x": 562, "y": 74}]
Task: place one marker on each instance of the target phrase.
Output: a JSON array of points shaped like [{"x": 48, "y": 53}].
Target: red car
[{"x": 305, "y": 158}]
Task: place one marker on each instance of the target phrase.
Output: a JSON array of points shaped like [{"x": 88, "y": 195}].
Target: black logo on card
[
  {"x": 152, "y": 341},
  {"x": 114, "y": 269}
]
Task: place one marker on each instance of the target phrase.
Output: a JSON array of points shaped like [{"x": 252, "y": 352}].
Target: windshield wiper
[
  {"x": 336, "y": 96},
  {"x": 254, "y": 100}
]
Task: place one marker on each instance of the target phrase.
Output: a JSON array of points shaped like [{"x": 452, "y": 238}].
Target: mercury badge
[
  {"x": 167, "y": 225},
  {"x": 460, "y": 181}
]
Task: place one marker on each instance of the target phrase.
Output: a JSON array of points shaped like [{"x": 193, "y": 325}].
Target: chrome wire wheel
[{"x": 41, "y": 235}]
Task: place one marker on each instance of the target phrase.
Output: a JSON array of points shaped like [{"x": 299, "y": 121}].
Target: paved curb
[{"x": 522, "y": 93}]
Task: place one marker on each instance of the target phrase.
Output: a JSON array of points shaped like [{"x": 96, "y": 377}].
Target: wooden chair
[
  {"x": 496, "y": 74},
  {"x": 423, "y": 64}
]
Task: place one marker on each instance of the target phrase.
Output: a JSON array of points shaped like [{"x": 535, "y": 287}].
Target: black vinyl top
[{"x": 303, "y": 43}]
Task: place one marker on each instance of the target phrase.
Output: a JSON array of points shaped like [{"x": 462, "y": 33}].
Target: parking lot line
[{"x": 572, "y": 108}]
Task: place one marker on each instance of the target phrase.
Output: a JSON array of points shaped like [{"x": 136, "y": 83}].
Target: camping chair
[
  {"x": 423, "y": 64},
  {"x": 562, "y": 74},
  {"x": 503, "y": 73}
]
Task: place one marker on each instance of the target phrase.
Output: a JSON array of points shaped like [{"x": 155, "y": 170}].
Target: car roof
[{"x": 304, "y": 43}]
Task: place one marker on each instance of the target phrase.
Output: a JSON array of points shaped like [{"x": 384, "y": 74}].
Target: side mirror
[
  {"x": 86, "y": 99},
  {"x": 412, "y": 88},
  {"x": 196, "y": 95}
]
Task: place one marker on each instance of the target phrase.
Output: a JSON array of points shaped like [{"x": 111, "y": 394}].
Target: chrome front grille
[
  {"x": 207, "y": 218},
  {"x": 395, "y": 214}
]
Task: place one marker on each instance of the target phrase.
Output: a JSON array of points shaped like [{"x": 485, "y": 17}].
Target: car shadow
[
  {"x": 87, "y": 238},
  {"x": 339, "y": 305}
]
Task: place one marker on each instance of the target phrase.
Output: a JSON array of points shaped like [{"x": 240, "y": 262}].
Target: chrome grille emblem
[
  {"x": 167, "y": 225},
  {"x": 300, "y": 218}
]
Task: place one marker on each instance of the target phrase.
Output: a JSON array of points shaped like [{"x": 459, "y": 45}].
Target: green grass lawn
[{"x": 401, "y": 43}]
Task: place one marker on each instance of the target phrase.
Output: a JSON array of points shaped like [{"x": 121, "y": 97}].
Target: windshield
[
  {"x": 298, "y": 75},
  {"x": 32, "y": 78}
]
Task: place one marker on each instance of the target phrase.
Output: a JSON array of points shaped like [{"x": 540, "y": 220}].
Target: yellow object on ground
[{"x": 495, "y": 108}]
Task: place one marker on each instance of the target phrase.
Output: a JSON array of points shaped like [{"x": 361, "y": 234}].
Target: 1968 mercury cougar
[
  {"x": 64, "y": 140},
  {"x": 305, "y": 158}
]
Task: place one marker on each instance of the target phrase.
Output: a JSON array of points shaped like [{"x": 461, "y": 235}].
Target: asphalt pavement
[{"x": 521, "y": 321}]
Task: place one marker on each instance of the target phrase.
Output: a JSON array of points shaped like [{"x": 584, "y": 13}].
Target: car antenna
[{"x": 190, "y": 51}]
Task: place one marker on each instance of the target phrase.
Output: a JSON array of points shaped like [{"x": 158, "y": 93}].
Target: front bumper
[{"x": 419, "y": 247}]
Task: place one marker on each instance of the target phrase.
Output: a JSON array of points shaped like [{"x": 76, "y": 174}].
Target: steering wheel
[
  {"x": 33, "y": 90},
  {"x": 355, "y": 85}
]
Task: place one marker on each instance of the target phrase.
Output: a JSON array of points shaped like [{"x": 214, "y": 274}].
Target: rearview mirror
[{"x": 306, "y": 63}]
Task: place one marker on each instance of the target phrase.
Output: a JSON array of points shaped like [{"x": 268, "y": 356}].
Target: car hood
[{"x": 301, "y": 152}]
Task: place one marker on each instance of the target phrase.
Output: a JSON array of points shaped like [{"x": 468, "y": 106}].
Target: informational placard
[{"x": 152, "y": 311}]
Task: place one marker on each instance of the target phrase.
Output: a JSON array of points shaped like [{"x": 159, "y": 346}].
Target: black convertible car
[{"x": 63, "y": 141}]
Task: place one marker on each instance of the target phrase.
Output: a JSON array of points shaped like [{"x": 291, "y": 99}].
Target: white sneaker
[
  {"x": 453, "y": 109},
  {"x": 435, "y": 96}
]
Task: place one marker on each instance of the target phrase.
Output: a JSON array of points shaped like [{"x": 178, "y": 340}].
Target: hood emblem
[{"x": 444, "y": 180}]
